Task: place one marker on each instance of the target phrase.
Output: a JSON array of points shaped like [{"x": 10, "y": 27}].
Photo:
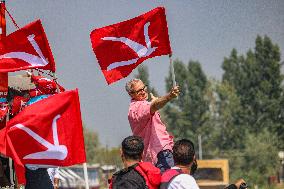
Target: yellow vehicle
[{"x": 212, "y": 174}]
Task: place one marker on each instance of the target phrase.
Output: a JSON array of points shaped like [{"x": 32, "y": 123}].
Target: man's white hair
[{"x": 129, "y": 85}]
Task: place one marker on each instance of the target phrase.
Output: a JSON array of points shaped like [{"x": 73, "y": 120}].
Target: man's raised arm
[{"x": 159, "y": 102}]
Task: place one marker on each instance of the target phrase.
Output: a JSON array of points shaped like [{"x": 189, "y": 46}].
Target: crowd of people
[
  {"x": 138, "y": 174},
  {"x": 150, "y": 156}
]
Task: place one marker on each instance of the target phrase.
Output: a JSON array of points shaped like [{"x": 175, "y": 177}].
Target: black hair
[
  {"x": 132, "y": 147},
  {"x": 183, "y": 152},
  {"x": 12, "y": 92}
]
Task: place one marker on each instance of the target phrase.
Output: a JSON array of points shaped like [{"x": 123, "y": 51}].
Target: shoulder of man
[
  {"x": 150, "y": 173},
  {"x": 127, "y": 178},
  {"x": 168, "y": 176},
  {"x": 184, "y": 180},
  {"x": 124, "y": 171},
  {"x": 139, "y": 111}
]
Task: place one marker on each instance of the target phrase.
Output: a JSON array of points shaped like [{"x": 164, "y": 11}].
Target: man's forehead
[{"x": 138, "y": 83}]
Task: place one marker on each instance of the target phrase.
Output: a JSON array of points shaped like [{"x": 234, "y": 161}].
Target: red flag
[
  {"x": 26, "y": 48},
  {"x": 3, "y": 111},
  {"x": 3, "y": 76},
  {"x": 3, "y": 86},
  {"x": 18, "y": 104},
  {"x": 48, "y": 132},
  {"x": 3, "y": 141},
  {"x": 121, "y": 47}
]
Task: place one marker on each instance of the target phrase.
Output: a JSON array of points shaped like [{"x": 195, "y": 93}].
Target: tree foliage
[
  {"x": 224, "y": 129},
  {"x": 257, "y": 79},
  {"x": 239, "y": 118},
  {"x": 96, "y": 153},
  {"x": 258, "y": 160},
  {"x": 187, "y": 114},
  {"x": 91, "y": 145}
]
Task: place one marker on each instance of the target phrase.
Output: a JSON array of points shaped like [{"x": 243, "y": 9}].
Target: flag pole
[
  {"x": 55, "y": 79},
  {"x": 172, "y": 71},
  {"x": 86, "y": 175}
]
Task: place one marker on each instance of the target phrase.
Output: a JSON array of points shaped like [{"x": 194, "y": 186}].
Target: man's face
[{"x": 139, "y": 91}]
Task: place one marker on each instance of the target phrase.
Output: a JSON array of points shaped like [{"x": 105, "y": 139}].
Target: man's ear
[
  {"x": 193, "y": 166},
  {"x": 190, "y": 164},
  {"x": 193, "y": 159}
]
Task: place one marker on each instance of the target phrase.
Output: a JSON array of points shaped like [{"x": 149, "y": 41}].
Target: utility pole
[
  {"x": 199, "y": 147},
  {"x": 281, "y": 171}
]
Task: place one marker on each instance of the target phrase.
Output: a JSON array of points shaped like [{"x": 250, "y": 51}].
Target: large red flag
[
  {"x": 121, "y": 47},
  {"x": 48, "y": 132},
  {"x": 26, "y": 48}
]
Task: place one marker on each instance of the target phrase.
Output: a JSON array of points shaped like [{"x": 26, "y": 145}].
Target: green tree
[
  {"x": 109, "y": 156},
  {"x": 258, "y": 160},
  {"x": 223, "y": 129},
  {"x": 187, "y": 114},
  {"x": 96, "y": 153},
  {"x": 92, "y": 145},
  {"x": 257, "y": 118},
  {"x": 257, "y": 79}
]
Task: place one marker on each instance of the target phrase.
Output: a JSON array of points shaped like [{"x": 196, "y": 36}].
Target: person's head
[
  {"x": 183, "y": 152},
  {"x": 137, "y": 89},
  {"x": 132, "y": 148}
]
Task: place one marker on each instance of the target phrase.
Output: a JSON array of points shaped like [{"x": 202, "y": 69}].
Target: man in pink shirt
[{"x": 145, "y": 121}]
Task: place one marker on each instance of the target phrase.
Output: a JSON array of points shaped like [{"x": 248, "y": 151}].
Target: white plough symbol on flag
[
  {"x": 140, "y": 49},
  {"x": 29, "y": 58},
  {"x": 54, "y": 151}
]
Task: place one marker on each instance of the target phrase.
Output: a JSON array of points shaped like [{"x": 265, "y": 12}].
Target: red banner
[
  {"x": 51, "y": 131},
  {"x": 3, "y": 85},
  {"x": 121, "y": 47},
  {"x": 26, "y": 48},
  {"x": 2, "y": 20}
]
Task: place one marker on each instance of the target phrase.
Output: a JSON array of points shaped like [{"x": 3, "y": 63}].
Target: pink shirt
[{"x": 150, "y": 128}]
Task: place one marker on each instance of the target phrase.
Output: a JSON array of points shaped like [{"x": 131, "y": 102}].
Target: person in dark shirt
[
  {"x": 128, "y": 178},
  {"x": 240, "y": 184},
  {"x": 136, "y": 174}
]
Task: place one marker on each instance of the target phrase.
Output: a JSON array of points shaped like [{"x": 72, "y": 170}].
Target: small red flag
[
  {"x": 48, "y": 132},
  {"x": 121, "y": 47},
  {"x": 26, "y": 48}
]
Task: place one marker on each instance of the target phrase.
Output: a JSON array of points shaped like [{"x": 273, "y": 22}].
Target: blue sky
[{"x": 199, "y": 30}]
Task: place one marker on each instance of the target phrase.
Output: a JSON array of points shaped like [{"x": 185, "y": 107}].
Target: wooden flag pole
[
  {"x": 172, "y": 71},
  {"x": 86, "y": 175}
]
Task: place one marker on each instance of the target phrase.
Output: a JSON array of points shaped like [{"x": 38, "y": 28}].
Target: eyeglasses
[{"x": 140, "y": 90}]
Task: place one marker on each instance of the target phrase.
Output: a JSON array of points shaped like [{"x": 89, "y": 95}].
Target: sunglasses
[{"x": 140, "y": 90}]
